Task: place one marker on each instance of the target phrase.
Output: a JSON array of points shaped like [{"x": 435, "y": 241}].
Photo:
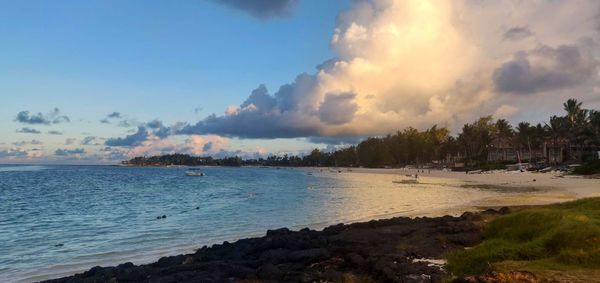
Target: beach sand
[{"x": 522, "y": 188}]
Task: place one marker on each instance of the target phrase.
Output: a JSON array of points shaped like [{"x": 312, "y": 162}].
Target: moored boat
[{"x": 194, "y": 172}]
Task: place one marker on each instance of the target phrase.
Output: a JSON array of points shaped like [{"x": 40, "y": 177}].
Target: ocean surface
[{"x": 59, "y": 220}]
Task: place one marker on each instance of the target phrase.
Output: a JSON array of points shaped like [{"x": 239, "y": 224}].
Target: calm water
[{"x": 57, "y": 220}]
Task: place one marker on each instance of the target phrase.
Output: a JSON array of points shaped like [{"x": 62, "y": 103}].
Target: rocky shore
[{"x": 390, "y": 250}]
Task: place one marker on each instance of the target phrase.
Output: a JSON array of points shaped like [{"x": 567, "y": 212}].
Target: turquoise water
[{"x": 58, "y": 220}]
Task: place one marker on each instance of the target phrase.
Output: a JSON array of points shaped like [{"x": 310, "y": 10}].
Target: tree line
[{"x": 575, "y": 135}]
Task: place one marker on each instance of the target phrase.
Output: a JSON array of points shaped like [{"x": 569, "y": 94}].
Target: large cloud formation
[
  {"x": 418, "y": 63},
  {"x": 262, "y": 9}
]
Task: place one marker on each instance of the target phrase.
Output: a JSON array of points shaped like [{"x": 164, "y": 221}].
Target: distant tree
[{"x": 476, "y": 138}]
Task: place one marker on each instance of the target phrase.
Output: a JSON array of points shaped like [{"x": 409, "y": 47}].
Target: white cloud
[{"x": 419, "y": 62}]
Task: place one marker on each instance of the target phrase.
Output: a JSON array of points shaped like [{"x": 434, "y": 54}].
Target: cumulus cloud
[
  {"x": 90, "y": 140},
  {"x": 114, "y": 115},
  {"x": 546, "y": 68},
  {"x": 13, "y": 153},
  {"x": 69, "y": 152},
  {"x": 419, "y": 63},
  {"x": 127, "y": 123},
  {"x": 113, "y": 154},
  {"x": 130, "y": 140},
  {"x": 204, "y": 145},
  {"x": 53, "y": 117},
  {"x": 31, "y": 142},
  {"x": 110, "y": 116},
  {"x": 26, "y": 130},
  {"x": 262, "y": 9}
]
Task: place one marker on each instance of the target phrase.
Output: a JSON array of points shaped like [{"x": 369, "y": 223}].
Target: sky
[{"x": 97, "y": 82}]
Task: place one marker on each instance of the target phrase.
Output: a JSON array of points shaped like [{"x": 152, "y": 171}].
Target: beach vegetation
[{"x": 554, "y": 238}]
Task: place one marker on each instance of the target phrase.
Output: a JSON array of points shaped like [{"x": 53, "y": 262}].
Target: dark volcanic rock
[{"x": 374, "y": 251}]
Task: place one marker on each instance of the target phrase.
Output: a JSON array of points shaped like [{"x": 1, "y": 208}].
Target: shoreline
[
  {"x": 524, "y": 192},
  {"x": 388, "y": 250}
]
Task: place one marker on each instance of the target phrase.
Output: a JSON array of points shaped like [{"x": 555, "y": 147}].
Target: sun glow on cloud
[{"x": 419, "y": 63}]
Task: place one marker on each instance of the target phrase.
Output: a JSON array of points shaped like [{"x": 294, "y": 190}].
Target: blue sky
[
  {"x": 237, "y": 77},
  {"x": 148, "y": 60}
]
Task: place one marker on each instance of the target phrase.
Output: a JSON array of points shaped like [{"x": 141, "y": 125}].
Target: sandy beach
[{"x": 526, "y": 188}]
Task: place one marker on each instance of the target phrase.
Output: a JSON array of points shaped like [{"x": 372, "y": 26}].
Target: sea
[{"x": 60, "y": 220}]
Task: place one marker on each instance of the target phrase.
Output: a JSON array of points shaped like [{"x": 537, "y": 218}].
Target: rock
[
  {"x": 334, "y": 229},
  {"x": 309, "y": 255},
  {"x": 504, "y": 210},
  {"x": 93, "y": 271},
  {"x": 169, "y": 261},
  {"x": 126, "y": 265},
  {"x": 355, "y": 259},
  {"x": 274, "y": 256},
  {"x": 331, "y": 275},
  {"x": 270, "y": 272},
  {"x": 280, "y": 231},
  {"x": 490, "y": 211}
]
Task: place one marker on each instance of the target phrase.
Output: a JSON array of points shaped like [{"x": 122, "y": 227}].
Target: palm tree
[
  {"x": 504, "y": 128},
  {"x": 573, "y": 108},
  {"x": 577, "y": 124},
  {"x": 524, "y": 132},
  {"x": 555, "y": 130}
]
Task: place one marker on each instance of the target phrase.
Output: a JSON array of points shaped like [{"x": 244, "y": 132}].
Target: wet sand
[{"x": 525, "y": 188}]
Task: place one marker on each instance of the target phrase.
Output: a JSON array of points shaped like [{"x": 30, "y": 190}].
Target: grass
[{"x": 563, "y": 238}]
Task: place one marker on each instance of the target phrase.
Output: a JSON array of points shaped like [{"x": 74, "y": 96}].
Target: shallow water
[{"x": 58, "y": 220}]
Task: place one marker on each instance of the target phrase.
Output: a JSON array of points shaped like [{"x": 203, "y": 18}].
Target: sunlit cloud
[{"x": 419, "y": 63}]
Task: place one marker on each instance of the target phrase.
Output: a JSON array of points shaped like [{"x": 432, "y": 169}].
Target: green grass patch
[{"x": 561, "y": 237}]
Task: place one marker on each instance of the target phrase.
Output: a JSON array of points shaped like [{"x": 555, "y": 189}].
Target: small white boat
[{"x": 194, "y": 173}]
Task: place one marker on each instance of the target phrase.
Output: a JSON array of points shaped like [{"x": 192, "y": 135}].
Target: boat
[{"x": 194, "y": 172}]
